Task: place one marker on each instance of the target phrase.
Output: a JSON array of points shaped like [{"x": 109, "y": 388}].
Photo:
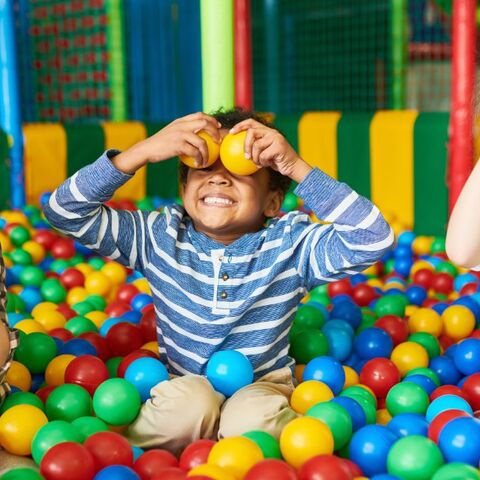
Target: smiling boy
[{"x": 220, "y": 278}]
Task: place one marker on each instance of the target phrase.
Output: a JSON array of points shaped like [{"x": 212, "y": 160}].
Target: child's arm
[
  {"x": 357, "y": 235},
  {"x": 76, "y": 207},
  {"x": 463, "y": 233}
]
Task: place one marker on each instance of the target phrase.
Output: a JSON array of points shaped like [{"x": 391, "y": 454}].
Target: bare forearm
[{"x": 463, "y": 234}]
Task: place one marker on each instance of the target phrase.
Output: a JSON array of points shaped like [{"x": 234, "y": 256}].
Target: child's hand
[
  {"x": 267, "y": 147},
  {"x": 177, "y": 138}
]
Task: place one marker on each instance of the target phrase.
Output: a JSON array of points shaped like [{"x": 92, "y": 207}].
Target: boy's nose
[{"x": 219, "y": 175}]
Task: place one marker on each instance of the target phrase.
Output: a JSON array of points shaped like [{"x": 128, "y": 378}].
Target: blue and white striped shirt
[{"x": 209, "y": 296}]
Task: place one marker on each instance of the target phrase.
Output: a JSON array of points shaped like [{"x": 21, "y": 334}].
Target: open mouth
[{"x": 216, "y": 201}]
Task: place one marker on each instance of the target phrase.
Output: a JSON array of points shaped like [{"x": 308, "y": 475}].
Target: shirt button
[
  {"x": 220, "y": 258},
  {"x": 223, "y": 295},
  {"x": 225, "y": 277}
]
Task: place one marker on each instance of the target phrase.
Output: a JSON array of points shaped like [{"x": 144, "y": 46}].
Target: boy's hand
[
  {"x": 177, "y": 138},
  {"x": 267, "y": 147}
]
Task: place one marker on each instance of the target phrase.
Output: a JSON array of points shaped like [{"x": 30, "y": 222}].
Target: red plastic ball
[
  {"x": 63, "y": 248},
  {"x": 443, "y": 283},
  {"x": 324, "y": 467},
  {"x": 448, "y": 390},
  {"x": 109, "y": 448},
  {"x": 148, "y": 325},
  {"x": 395, "y": 326},
  {"x": 71, "y": 277},
  {"x": 471, "y": 388},
  {"x": 445, "y": 342},
  {"x": 469, "y": 289},
  {"x": 61, "y": 333},
  {"x": 475, "y": 334},
  {"x": 149, "y": 463},
  {"x": 172, "y": 473},
  {"x": 339, "y": 287},
  {"x": 429, "y": 302},
  {"x": 196, "y": 454},
  {"x": 123, "y": 365},
  {"x": 67, "y": 460},
  {"x": 87, "y": 371},
  {"x": 44, "y": 392},
  {"x": 363, "y": 294},
  {"x": 100, "y": 344},
  {"x": 125, "y": 204},
  {"x": 126, "y": 292},
  {"x": 380, "y": 374},
  {"x": 117, "y": 308},
  {"x": 353, "y": 468},
  {"x": 271, "y": 469},
  {"x": 423, "y": 277},
  {"x": 123, "y": 338},
  {"x": 66, "y": 311},
  {"x": 46, "y": 238},
  {"x": 437, "y": 424}
]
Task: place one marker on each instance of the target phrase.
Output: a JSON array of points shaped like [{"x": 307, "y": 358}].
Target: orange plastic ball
[
  {"x": 308, "y": 394},
  {"x": 19, "y": 376},
  {"x": 232, "y": 155},
  {"x": 426, "y": 320},
  {"x": 213, "y": 151},
  {"x": 55, "y": 372}
]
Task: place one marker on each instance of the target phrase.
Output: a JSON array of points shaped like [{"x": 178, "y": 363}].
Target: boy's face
[{"x": 225, "y": 206}]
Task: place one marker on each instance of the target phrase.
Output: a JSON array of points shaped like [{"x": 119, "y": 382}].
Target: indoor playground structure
[{"x": 379, "y": 94}]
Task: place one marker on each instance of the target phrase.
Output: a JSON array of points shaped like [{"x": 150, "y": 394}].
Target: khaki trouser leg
[
  {"x": 263, "y": 405},
  {"x": 180, "y": 411}
]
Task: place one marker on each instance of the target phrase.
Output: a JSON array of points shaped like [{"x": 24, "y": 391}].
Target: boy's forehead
[{"x": 223, "y": 133}]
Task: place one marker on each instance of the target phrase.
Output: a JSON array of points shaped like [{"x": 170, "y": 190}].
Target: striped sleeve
[
  {"x": 76, "y": 209},
  {"x": 355, "y": 236}
]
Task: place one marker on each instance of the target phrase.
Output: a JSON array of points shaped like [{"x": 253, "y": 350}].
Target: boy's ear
[{"x": 273, "y": 203}]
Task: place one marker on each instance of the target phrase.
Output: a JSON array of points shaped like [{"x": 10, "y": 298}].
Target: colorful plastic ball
[
  {"x": 29, "y": 326},
  {"x": 144, "y": 374},
  {"x": 115, "y": 272},
  {"x": 373, "y": 343},
  {"x": 380, "y": 374},
  {"x": 323, "y": 467},
  {"x": 147, "y": 464},
  {"x": 339, "y": 287},
  {"x": 447, "y": 402},
  {"x": 79, "y": 324},
  {"x": 425, "y": 320},
  {"x": 236, "y": 455},
  {"x": 229, "y": 371},
  {"x": 340, "y": 341},
  {"x": 442, "y": 419},
  {"x": 459, "y": 441},
  {"x": 196, "y": 454},
  {"x": 77, "y": 347},
  {"x": 450, "y": 390},
  {"x": 467, "y": 356},
  {"x": 458, "y": 322},
  {"x": 123, "y": 338},
  {"x": 87, "y": 426},
  {"x": 116, "y": 472},
  {"x": 53, "y": 291},
  {"x": 140, "y": 301},
  {"x": 67, "y": 460},
  {"x": 442, "y": 283},
  {"x": 407, "y": 397},
  {"x": 308, "y": 316},
  {"x": 304, "y": 438},
  {"x": 18, "y": 426},
  {"x": 32, "y": 276},
  {"x": 86, "y": 371},
  {"x": 18, "y": 376},
  {"x": 99, "y": 343},
  {"x": 391, "y": 305},
  {"x": 414, "y": 457},
  {"x": 326, "y": 370},
  {"x": 21, "y": 398},
  {"x": 55, "y": 371},
  {"x": 409, "y": 355},
  {"x": 68, "y": 402},
  {"x": 108, "y": 324},
  {"x": 52, "y": 434},
  {"x": 268, "y": 443},
  {"x": 395, "y": 326},
  {"x": 471, "y": 388},
  {"x": 116, "y": 402},
  {"x": 36, "y": 351},
  {"x": 109, "y": 448},
  {"x": 446, "y": 370},
  {"x": 416, "y": 294},
  {"x": 213, "y": 149},
  {"x": 271, "y": 469},
  {"x": 51, "y": 320},
  {"x": 369, "y": 448},
  {"x": 422, "y": 381},
  {"x": 456, "y": 470},
  {"x": 309, "y": 393},
  {"x": 203, "y": 471},
  {"x": 337, "y": 420},
  {"x": 232, "y": 155},
  {"x": 98, "y": 283},
  {"x": 22, "y": 474},
  {"x": 348, "y": 311},
  {"x": 405, "y": 424}
]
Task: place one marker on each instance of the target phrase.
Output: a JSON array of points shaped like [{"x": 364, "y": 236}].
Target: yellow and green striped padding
[{"x": 397, "y": 158}]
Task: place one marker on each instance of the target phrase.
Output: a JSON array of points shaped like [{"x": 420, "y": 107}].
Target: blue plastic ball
[
  {"x": 440, "y": 307},
  {"x": 402, "y": 251},
  {"x": 348, "y": 311},
  {"x": 406, "y": 238},
  {"x": 450, "y": 351},
  {"x": 416, "y": 294},
  {"x": 406, "y": 424},
  {"x": 77, "y": 347},
  {"x": 372, "y": 343},
  {"x": 445, "y": 369},
  {"x": 459, "y": 441},
  {"x": 140, "y": 301},
  {"x": 467, "y": 356},
  {"x": 447, "y": 402},
  {"x": 357, "y": 279},
  {"x": 339, "y": 325},
  {"x": 229, "y": 371},
  {"x": 137, "y": 452},
  {"x": 423, "y": 381},
  {"x": 108, "y": 324},
  {"x": 461, "y": 280},
  {"x": 384, "y": 476},
  {"x": 133, "y": 316},
  {"x": 403, "y": 266},
  {"x": 470, "y": 303},
  {"x": 31, "y": 296},
  {"x": 340, "y": 343},
  {"x": 116, "y": 472},
  {"x": 326, "y": 370},
  {"x": 144, "y": 373},
  {"x": 359, "y": 418}
]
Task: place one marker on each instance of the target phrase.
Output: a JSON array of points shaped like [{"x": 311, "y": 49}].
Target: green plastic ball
[
  {"x": 82, "y": 308},
  {"x": 76, "y": 259},
  {"x": 68, "y": 402},
  {"x": 32, "y": 276},
  {"x": 145, "y": 204},
  {"x": 309, "y": 317},
  {"x": 15, "y": 304},
  {"x": 368, "y": 407},
  {"x": 268, "y": 443},
  {"x": 112, "y": 366},
  {"x": 21, "y": 257},
  {"x": 427, "y": 341},
  {"x": 407, "y": 397},
  {"x": 321, "y": 298},
  {"x": 457, "y": 471},
  {"x": 21, "y": 474},
  {"x": 307, "y": 345},
  {"x": 391, "y": 305},
  {"x": 78, "y": 325},
  {"x": 336, "y": 418},
  {"x": 97, "y": 301},
  {"x": 290, "y": 202},
  {"x": 53, "y": 291},
  {"x": 21, "y": 398},
  {"x": 116, "y": 402},
  {"x": 414, "y": 458},
  {"x": 87, "y": 426},
  {"x": 19, "y": 235},
  {"x": 447, "y": 267},
  {"x": 438, "y": 245},
  {"x": 59, "y": 265},
  {"x": 96, "y": 263},
  {"x": 50, "y": 435},
  {"x": 36, "y": 351}
]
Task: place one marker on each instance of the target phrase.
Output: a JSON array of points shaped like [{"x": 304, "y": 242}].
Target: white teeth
[{"x": 217, "y": 201}]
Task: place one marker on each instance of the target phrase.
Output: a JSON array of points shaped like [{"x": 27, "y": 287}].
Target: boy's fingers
[
  {"x": 201, "y": 116},
  {"x": 245, "y": 125},
  {"x": 201, "y": 147},
  {"x": 192, "y": 151},
  {"x": 258, "y": 147},
  {"x": 252, "y": 135},
  {"x": 203, "y": 125}
]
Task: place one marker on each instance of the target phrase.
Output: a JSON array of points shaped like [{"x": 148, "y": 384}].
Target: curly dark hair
[{"x": 228, "y": 119}]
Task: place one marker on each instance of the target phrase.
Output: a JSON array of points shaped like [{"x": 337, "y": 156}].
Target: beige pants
[{"x": 187, "y": 408}]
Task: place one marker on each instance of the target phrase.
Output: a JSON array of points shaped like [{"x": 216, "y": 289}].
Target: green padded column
[
  {"x": 430, "y": 169},
  {"x": 85, "y": 143},
  {"x": 4, "y": 172}
]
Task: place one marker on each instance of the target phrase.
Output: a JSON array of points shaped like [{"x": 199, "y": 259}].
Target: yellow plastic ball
[
  {"x": 19, "y": 376},
  {"x": 426, "y": 320},
  {"x": 43, "y": 307},
  {"x": 232, "y": 155},
  {"x": 76, "y": 294},
  {"x": 409, "y": 355},
  {"x": 383, "y": 416},
  {"x": 394, "y": 285},
  {"x": 304, "y": 438},
  {"x": 55, "y": 371},
  {"x": 308, "y": 394},
  {"x": 115, "y": 272},
  {"x": 213, "y": 151},
  {"x": 421, "y": 245},
  {"x": 36, "y": 251},
  {"x": 458, "y": 322},
  {"x": 211, "y": 471},
  {"x": 97, "y": 283},
  {"x": 421, "y": 265},
  {"x": 51, "y": 319},
  {"x": 142, "y": 285},
  {"x": 97, "y": 317},
  {"x": 18, "y": 426},
  {"x": 5, "y": 242},
  {"x": 85, "y": 268},
  {"x": 235, "y": 455},
  {"x": 12, "y": 216},
  {"x": 151, "y": 346},
  {"x": 16, "y": 289},
  {"x": 375, "y": 282},
  {"x": 8, "y": 262},
  {"x": 351, "y": 377},
  {"x": 30, "y": 326},
  {"x": 410, "y": 309}
]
